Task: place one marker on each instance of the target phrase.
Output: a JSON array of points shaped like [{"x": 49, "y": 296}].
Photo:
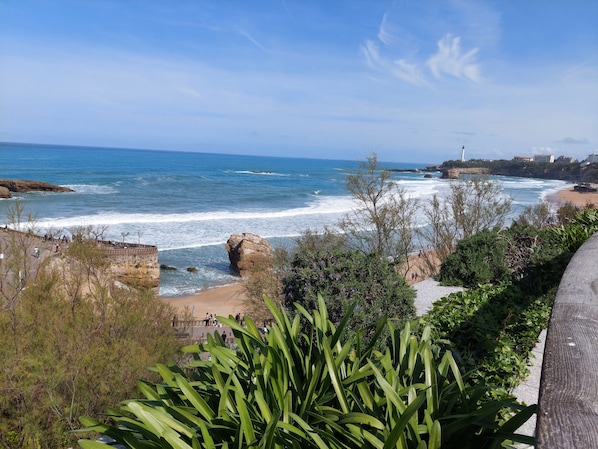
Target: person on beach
[{"x": 224, "y": 337}]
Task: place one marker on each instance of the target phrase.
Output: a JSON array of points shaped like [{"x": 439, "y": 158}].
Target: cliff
[
  {"x": 13, "y": 185},
  {"x": 564, "y": 172}
]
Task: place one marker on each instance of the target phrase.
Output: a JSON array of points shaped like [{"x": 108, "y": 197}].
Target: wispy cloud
[
  {"x": 452, "y": 61},
  {"x": 251, "y": 39},
  {"x": 409, "y": 73},
  {"x": 384, "y": 34},
  {"x": 400, "y": 58}
]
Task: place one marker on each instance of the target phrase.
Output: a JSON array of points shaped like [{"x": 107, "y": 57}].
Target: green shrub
[
  {"x": 492, "y": 330},
  {"x": 479, "y": 259},
  {"x": 333, "y": 392},
  {"x": 62, "y": 359},
  {"x": 344, "y": 277},
  {"x": 580, "y": 228}
]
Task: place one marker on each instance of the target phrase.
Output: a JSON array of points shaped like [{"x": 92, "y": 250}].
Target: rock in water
[{"x": 248, "y": 253}]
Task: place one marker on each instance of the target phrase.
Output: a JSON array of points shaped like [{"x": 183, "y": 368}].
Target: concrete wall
[{"x": 568, "y": 403}]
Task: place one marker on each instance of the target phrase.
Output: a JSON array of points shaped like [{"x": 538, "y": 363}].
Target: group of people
[{"x": 211, "y": 320}]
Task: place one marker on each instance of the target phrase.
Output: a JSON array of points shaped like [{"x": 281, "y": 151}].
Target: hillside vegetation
[{"x": 574, "y": 172}]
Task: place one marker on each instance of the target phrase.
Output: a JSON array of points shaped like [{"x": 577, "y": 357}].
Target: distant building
[
  {"x": 593, "y": 157},
  {"x": 565, "y": 160},
  {"x": 523, "y": 158},
  {"x": 544, "y": 158}
]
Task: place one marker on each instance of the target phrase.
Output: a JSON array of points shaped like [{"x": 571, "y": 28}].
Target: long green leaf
[
  {"x": 194, "y": 397},
  {"x": 399, "y": 427}
]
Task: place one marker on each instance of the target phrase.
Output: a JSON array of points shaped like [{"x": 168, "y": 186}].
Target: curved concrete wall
[{"x": 568, "y": 403}]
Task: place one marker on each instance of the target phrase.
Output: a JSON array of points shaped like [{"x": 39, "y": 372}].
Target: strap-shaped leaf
[{"x": 195, "y": 398}]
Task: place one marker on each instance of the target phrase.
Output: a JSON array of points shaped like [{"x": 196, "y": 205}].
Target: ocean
[{"x": 188, "y": 204}]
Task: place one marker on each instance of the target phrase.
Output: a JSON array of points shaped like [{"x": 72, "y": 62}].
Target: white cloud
[
  {"x": 372, "y": 55},
  {"x": 384, "y": 33},
  {"x": 451, "y": 61},
  {"x": 409, "y": 72},
  {"x": 400, "y": 68}
]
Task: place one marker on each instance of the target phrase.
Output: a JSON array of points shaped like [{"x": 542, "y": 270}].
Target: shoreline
[{"x": 228, "y": 299}]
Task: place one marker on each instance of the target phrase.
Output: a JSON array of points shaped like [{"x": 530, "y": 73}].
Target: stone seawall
[{"x": 135, "y": 265}]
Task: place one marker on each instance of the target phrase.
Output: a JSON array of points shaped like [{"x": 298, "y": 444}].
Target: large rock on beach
[{"x": 248, "y": 253}]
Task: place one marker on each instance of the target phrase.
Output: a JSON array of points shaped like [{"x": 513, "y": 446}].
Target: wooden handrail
[{"x": 568, "y": 403}]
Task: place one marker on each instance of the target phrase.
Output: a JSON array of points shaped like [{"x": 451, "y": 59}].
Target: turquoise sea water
[{"x": 188, "y": 204}]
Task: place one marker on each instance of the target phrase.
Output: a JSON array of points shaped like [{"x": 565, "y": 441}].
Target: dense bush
[
  {"x": 63, "y": 358},
  {"x": 344, "y": 277},
  {"x": 479, "y": 259},
  {"x": 333, "y": 392},
  {"x": 492, "y": 330}
]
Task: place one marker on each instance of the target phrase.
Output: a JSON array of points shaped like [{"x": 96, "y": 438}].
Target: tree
[
  {"x": 71, "y": 364},
  {"x": 68, "y": 344},
  {"x": 384, "y": 215},
  {"x": 472, "y": 204},
  {"x": 538, "y": 215},
  {"x": 17, "y": 266}
]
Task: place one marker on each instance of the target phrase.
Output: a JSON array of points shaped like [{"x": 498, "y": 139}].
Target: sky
[{"x": 413, "y": 80}]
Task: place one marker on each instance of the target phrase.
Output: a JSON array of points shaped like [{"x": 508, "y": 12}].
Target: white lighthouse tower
[{"x": 463, "y": 154}]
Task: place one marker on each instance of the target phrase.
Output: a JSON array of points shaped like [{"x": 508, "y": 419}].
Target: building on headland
[
  {"x": 565, "y": 160},
  {"x": 544, "y": 158},
  {"x": 593, "y": 157},
  {"x": 523, "y": 158}
]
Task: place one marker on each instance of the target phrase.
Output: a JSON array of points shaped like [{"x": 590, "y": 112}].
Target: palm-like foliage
[{"x": 289, "y": 389}]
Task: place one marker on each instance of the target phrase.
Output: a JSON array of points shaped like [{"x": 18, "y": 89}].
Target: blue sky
[{"x": 412, "y": 80}]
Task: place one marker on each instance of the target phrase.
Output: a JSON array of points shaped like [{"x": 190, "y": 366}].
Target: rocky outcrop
[
  {"x": 248, "y": 253},
  {"x": 15, "y": 185},
  {"x": 573, "y": 172},
  {"x": 453, "y": 173}
]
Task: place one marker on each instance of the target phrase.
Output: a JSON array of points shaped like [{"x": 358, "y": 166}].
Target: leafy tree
[
  {"x": 473, "y": 204},
  {"x": 538, "y": 215},
  {"x": 345, "y": 276},
  {"x": 384, "y": 215},
  {"x": 332, "y": 392}
]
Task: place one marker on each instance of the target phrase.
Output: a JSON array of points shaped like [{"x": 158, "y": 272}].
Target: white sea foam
[{"x": 92, "y": 189}]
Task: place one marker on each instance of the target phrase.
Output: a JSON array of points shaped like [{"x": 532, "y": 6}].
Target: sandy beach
[
  {"x": 228, "y": 300},
  {"x": 579, "y": 199},
  {"x": 219, "y": 301}
]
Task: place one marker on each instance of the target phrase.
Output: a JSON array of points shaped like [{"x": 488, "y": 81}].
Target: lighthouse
[{"x": 463, "y": 154}]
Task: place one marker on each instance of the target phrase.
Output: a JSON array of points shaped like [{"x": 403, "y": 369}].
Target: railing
[{"x": 568, "y": 403}]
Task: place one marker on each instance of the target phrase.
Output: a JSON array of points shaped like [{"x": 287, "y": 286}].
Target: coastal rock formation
[
  {"x": 453, "y": 173},
  {"x": 248, "y": 253},
  {"x": 15, "y": 185}
]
